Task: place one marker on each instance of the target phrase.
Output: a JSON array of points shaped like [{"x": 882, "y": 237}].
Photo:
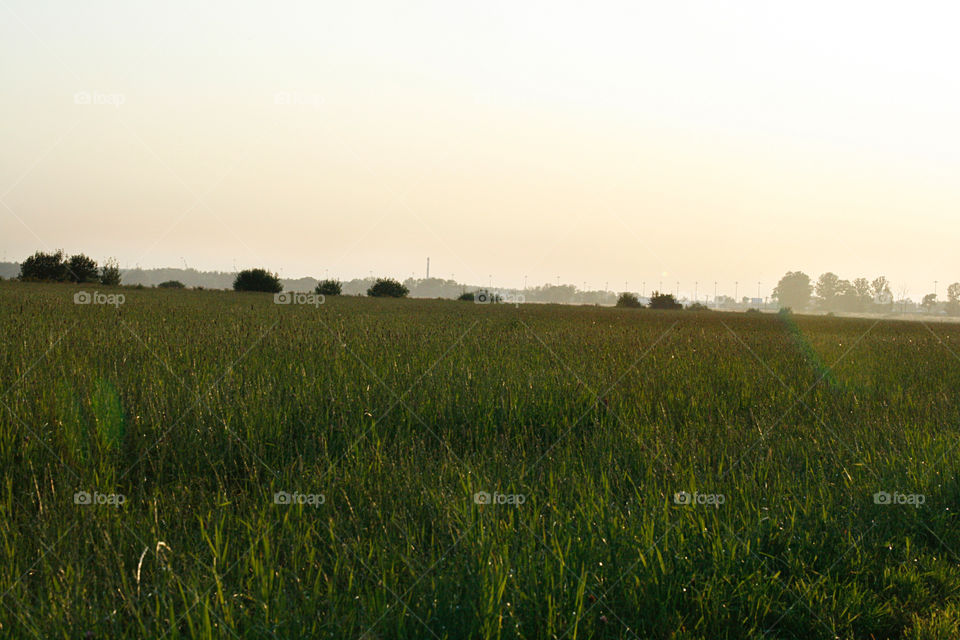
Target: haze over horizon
[{"x": 605, "y": 144}]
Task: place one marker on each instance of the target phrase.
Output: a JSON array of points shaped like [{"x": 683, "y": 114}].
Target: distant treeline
[
  {"x": 832, "y": 293},
  {"x": 419, "y": 287},
  {"x": 795, "y": 290}
]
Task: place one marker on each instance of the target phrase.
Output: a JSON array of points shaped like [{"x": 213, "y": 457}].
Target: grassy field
[{"x": 212, "y": 465}]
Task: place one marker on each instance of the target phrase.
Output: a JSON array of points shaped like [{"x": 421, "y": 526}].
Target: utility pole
[
  {"x": 428, "y": 267},
  {"x": 716, "y": 305},
  {"x": 758, "y": 294},
  {"x": 524, "y": 283},
  {"x": 736, "y": 290}
]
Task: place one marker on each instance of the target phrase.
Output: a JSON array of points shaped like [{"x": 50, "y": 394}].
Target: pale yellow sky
[{"x": 601, "y": 142}]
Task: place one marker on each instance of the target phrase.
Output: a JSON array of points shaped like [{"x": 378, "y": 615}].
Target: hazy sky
[{"x": 597, "y": 142}]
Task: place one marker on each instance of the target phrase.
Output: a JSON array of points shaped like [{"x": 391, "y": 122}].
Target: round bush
[{"x": 257, "y": 280}]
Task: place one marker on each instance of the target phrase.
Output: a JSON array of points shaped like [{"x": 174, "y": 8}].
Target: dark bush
[
  {"x": 663, "y": 301},
  {"x": 387, "y": 288},
  {"x": 329, "y": 288},
  {"x": 466, "y": 297},
  {"x": 110, "y": 273},
  {"x": 628, "y": 300},
  {"x": 81, "y": 268},
  {"x": 44, "y": 266},
  {"x": 698, "y": 306},
  {"x": 257, "y": 280},
  {"x": 170, "y": 284}
]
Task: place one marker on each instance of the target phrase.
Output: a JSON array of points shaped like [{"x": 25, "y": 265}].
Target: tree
[
  {"x": 953, "y": 299},
  {"x": 628, "y": 300},
  {"x": 110, "y": 273},
  {"x": 953, "y": 292},
  {"x": 880, "y": 287},
  {"x": 663, "y": 301},
  {"x": 793, "y": 290},
  {"x": 171, "y": 284},
  {"x": 44, "y": 266},
  {"x": 863, "y": 291},
  {"x": 828, "y": 286},
  {"x": 387, "y": 288},
  {"x": 846, "y": 299},
  {"x": 80, "y": 268},
  {"x": 329, "y": 288},
  {"x": 929, "y": 301},
  {"x": 698, "y": 306},
  {"x": 257, "y": 280}
]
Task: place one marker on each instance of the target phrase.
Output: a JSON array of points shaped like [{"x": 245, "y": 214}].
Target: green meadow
[{"x": 206, "y": 464}]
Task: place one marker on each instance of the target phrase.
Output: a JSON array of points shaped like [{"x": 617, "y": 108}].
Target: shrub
[
  {"x": 387, "y": 288},
  {"x": 80, "y": 268},
  {"x": 170, "y": 284},
  {"x": 698, "y": 306},
  {"x": 753, "y": 311},
  {"x": 110, "y": 273},
  {"x": 628, "y": 300},
  {"x": 663, "y": 301},
  {"x": 329, "y": 288},
  {"x": 44, "y": 266},
  {"x": 466, "y": 297},
  {"x": 257, "y": 280}
]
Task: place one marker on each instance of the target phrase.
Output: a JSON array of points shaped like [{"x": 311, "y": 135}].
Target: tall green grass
[{"x": 199, "y": 406}]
